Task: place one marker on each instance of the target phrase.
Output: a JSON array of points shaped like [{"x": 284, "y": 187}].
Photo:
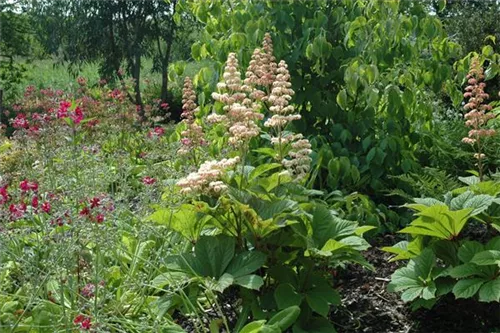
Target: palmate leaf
[
  {"x": 326, "y": 226},
  {"x": 405, "y": 249},
  {"x": 246, "y": 263},
  {"x": 411, "y": 279},
  {"x": 439, "y": 222},
  {"x": 478, "y": 203},
  {"x": 465, "y": 270}
]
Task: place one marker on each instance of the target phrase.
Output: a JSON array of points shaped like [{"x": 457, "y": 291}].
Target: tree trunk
[
  {"x": 137, "y": 77},
  {"x": 166, "y": 58}
]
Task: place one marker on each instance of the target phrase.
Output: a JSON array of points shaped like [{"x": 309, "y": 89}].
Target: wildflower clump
[
  {"x": 477, "y": 115},
  {"x": 193, "y": 136}
]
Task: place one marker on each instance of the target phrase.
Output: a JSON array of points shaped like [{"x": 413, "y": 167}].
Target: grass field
[{"x": 46, "y": 73}]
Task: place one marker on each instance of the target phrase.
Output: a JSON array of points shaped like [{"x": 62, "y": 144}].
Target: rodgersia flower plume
[
  {"x": 192, "y": 136},
  {"x": 207, "y": 179},
  {"x": 242, "y": 113},
  {"x": 261, "y": 71},
  {"x": 477, "y": 116},
  {"x": 297, "y": 161}
]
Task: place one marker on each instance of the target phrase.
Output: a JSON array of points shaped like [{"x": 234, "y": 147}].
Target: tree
[
  {"x": 110, "y": 32},
  {"x": 15, "y": 42}
]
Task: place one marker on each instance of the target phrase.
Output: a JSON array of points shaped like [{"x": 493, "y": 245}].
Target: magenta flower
[{"x": 148, "y": 180}]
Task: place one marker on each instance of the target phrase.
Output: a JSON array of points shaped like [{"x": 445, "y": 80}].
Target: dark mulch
[{"x": 368, "y": 307}]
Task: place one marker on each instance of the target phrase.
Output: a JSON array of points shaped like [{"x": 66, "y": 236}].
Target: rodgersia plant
[
  {"x": 192, "y": 136},
  {"x": 250, "y": 222},
  {"x": 477, "y": 115}
]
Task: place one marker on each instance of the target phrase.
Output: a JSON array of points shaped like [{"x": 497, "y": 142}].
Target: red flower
[
  {"x": 83, "y": 321},
  {"x": 24, "y": 185},
  {"x": 148, "y": 180},
  {"x": 17, "y": 211},
  {"x": 164, "y": 105},
  {"x": 95, "y": 202},
  {"x": 86, "y": 324},
  {"x": 85, "y": 211},
  {"x": 34, "y": 202},
  {"x": 156, "y": 132},
  {"x": 20, "y": 121},
  {"x": 77, "y": 116},
  {"x": 99, "y": 218},
  {"x": 62, "y": 112},
  {"x": 78, "y": 319},
  {"x": 4, "y": 196},
  {"x": 46, "y": 207}
]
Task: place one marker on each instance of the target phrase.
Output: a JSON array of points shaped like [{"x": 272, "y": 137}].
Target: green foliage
[
  {"x": 365, "y": 76},
  {"x": 442, "y": 261},
  {"x": 15, "y": 42}
]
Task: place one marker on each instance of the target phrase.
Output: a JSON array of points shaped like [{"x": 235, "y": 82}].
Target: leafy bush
[{"x": 444, "y": 255}]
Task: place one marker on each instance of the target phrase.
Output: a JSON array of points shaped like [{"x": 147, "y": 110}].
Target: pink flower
[
  {"x": 34, "y": 202},
  {"x": 46, "y": 207},
  {"x": 164, "y": 106},
  {"x": 77, "y": 115},
  {"x": 17, "y": 211},
  {"x": 4, "y": 196},
  {"x": 20, "y": 121},
  {"x": 148, "y": 180},
  {"x": 88, "y": 291},
  {"x": 99, "y": 218},
  {"x": 94, "y": 202},
  {"x": 156, "y": 132}
]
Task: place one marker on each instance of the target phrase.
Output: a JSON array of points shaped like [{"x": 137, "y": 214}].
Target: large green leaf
[
  {"x": 251, "y": 281},
  {"x": 490, "y": 291},
  {"x": 327, "y": 226},
  {"x": 246, "y": 263},
  {"x": 286, "y": 296},
  {"x": 285, "y": 318},
  {"x": 468, "y": 250},
  {"x": 253, "y": 327},
  {"x": 467, "y": 288},
  {"x": 214, "y": 253},
  {"x": 464, "y": 271},
  {"x": 488, "y": 257},
  {"x": 321, "y": 297}
]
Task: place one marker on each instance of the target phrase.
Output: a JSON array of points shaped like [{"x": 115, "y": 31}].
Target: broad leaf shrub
[
  {"x": 366, "y": 75},
  {"x": 446, "y": 253},
  {"x": 444, "y": 256},
  {"x": 250, "y": 222}
]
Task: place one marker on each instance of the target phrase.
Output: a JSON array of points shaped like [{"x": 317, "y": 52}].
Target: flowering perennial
[
  {"x": 261, "y": 72},
  {"x": 207, "y": 178},
  {"x": 476, "y": 117},
  {"x": 242, "y": 113},
  {"x": 192, "y": 136}
]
